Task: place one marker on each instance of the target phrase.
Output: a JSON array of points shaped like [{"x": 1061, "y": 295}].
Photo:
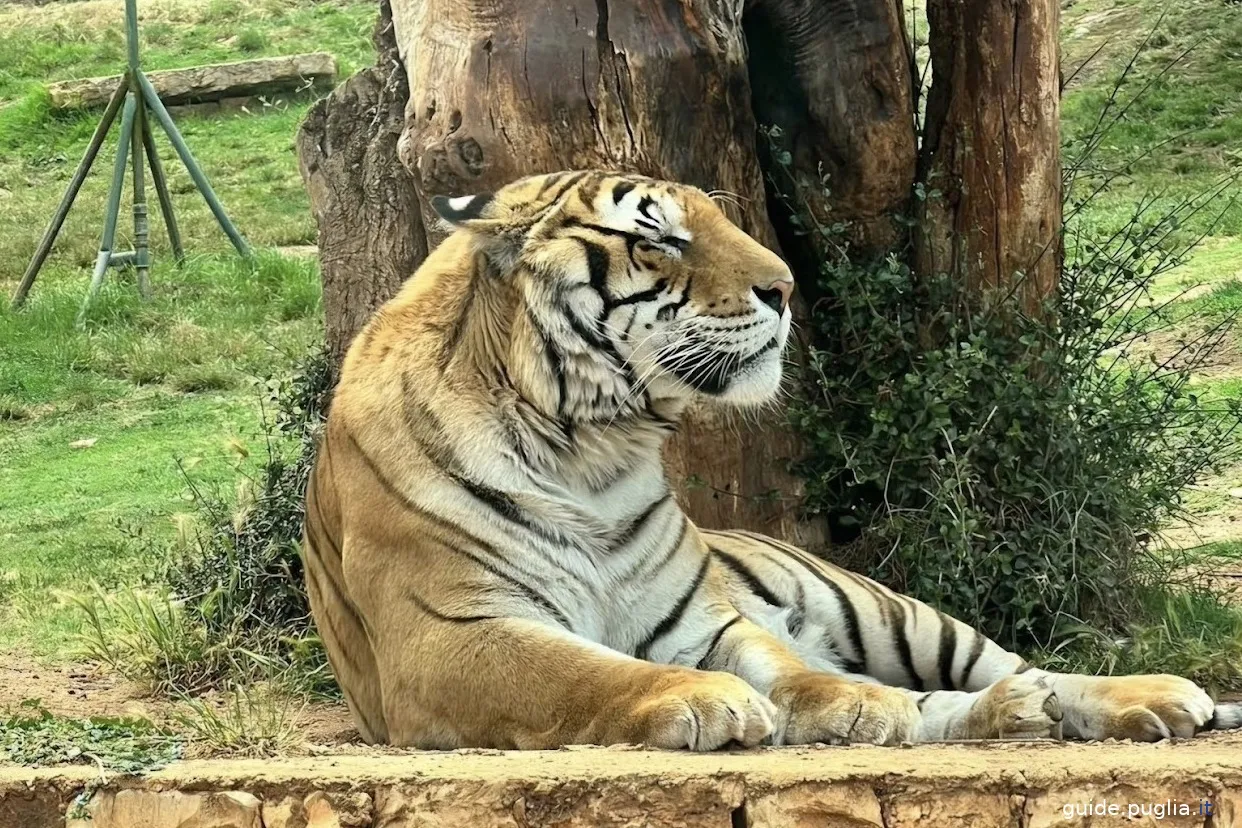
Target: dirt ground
[{"x": 80, "y": 690}]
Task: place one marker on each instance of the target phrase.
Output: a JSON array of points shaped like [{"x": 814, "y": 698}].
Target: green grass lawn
[
  {"x": 248, "y": 156},
  {"x": 1178, "y": 118},
  {"x": 164, "y": 389}
]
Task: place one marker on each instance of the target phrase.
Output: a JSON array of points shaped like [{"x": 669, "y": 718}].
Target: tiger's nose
[{"x": 776, "y": 295}]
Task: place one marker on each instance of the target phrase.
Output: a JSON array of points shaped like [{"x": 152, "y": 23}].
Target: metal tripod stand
[{"x": 140, "y": 101}]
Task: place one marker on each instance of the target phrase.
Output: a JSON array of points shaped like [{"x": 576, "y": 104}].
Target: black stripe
[
  {"x": 452, "y": 337},
  {"x": 669, "y": 554},
  {"x": 591, "y": 337},
  {"x": 439, "y": 616},
  {"x": 426, "y": 429},
  {"x": 429, "y": 434},
  {"x": 630, "y": 325},
  {"x": 852, "y": 628},
  {"x": 644, "y": 206},
  {"x": 631, "y": 239},
  {"x": 549, "y": 182},
  {"x": 448, "y": 528},
  {"x": 317, "y": 520},
  {"x": 976, "y": 650},
  {"x": 711, "y": 648},
  {"x": 922, "y": 700},
  {"x": 621, "y": 190},
  {"x": 636, "y": 525},
  {"x": 327, "y": 623},
  {"x": 902, "y": 643},
  {"x": 573, "y": 179},
  {"x": 604, "y": 230},
  {"x": 666, "y": 311},
  {"x": 531, "y": 595},
  {"x": 648, "y": 295},
  {"x": 590, "y": 189},
  {"x": 752, "y": 581},
  {"x": 501, "y": 504},
  {"x": 556, "y": 362},
  {"x": 948, "y": 649},
  {"x": 598, "y": 263},
  {"x": 670, "y": 621}
]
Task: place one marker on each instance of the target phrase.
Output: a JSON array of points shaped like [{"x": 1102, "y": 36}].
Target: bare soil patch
[{"x": 83, "y": 690}]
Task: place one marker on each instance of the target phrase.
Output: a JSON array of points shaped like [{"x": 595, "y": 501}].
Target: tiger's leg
[
  {"x": 965, "y": 685},
  {"x": 812, "y": 705},
  {"x": 464, "y": 665}
]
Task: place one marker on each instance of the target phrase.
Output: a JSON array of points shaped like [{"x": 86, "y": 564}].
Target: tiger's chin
[{"x": 755, "y": 385}]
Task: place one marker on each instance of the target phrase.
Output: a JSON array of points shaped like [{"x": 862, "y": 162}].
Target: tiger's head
[{"x": 642, "y": 288}]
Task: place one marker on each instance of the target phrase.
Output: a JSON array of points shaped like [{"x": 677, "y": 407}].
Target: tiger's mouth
[{"x": 713, "y": 372}]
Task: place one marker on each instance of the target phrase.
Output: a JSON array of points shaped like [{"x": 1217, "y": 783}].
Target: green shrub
[
  {"x": 230, "y": 608},
  {"x": 1010, "y": 469},
  {"x": 149, "y": 638},
  {"x": 238, "y": 570},
  {"x": 252, "y": 39}
]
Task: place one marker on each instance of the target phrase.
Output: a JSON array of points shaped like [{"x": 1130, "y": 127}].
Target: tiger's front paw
[
  {"x": 702, "y": 711},
  {"x": 816, "y": 707},
  {"x": 1142, "y": 708},
  {"x": 1018, "y": 707}
]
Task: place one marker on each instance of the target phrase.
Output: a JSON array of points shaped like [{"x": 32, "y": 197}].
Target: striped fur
[{"x": 493, "y": 555}]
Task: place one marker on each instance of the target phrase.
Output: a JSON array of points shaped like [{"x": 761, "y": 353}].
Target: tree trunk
[
  {"x": 837, "y": 77},
  {"x": 992, "y": 147},
  {"x": 371, "y": 235},
  {"x": 492, "y": 90}
]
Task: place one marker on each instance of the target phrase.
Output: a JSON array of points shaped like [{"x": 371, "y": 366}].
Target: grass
[
  {"x": 99, "y": 427},
  {"x": 1178, "y": 111},
  {"x": 248, "y": 156},
  {"x": 251, "y": 720},
  {"x": 1187, "y": 631},
  {"x": 163, "y": 388}
]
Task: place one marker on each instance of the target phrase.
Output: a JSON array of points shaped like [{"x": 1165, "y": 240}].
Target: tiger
[{"x": 494, "y": 557}]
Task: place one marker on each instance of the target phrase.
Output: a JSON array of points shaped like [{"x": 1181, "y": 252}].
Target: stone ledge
[{"x": 932, "y": 786}]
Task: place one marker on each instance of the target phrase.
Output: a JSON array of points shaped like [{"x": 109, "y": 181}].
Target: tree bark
[
  {"x": 991, "y": 147},
  {"x": 371, "y": 235},
  {"x": 836, "y": 76}
]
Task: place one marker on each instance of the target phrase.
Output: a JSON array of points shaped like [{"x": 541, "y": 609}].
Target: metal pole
[
  {"x": 71, "y": 192},
  {"x": 161, "y": 190},
  {"x": 114, "y": 204},
  {"x": 187, "y": 158},
  {"x": 142, "y": 258},
  {"x": 131, "y": 33}
]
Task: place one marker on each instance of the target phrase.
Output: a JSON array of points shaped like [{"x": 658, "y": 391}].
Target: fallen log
[{"x": 214, "y": 82}]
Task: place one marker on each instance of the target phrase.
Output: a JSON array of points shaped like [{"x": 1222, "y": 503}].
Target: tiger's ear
[
  {"x": 465, "y": 211},
  {"x": 498, "y": 234}
]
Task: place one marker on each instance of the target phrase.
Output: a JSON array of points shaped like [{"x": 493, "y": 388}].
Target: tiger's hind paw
[{"x": 1140, "y": 708}]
